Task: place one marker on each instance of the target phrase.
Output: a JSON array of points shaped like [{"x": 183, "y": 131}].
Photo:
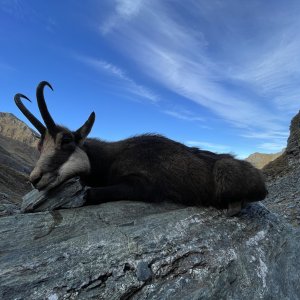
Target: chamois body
[
  {"x": 147, "y": 167},
  {"x": 158, "y": 169}
]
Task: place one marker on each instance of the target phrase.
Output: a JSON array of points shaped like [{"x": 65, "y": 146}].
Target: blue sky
[{"x": 221, "y": 75}]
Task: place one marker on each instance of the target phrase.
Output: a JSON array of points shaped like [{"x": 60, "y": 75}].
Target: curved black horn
[
  {"x": 33, "y": 120},
  {"x": 50, "y": 124},
  {"x": 85, "y": 129}
]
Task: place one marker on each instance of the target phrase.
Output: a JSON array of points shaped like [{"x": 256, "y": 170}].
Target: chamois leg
[
  {"x": 234, "y": 208},
  {"x": 229, "y": 185},
  {"x": 122, "y": 191}
]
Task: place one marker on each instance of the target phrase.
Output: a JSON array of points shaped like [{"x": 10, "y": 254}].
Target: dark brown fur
[{"x": 154, "y": 168}]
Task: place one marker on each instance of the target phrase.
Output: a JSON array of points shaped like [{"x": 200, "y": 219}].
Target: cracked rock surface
[
  {"x": 284, "y": 196},
  {"x": 136, "y": 250}
]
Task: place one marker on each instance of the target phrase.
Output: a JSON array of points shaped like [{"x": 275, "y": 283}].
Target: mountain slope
[
  {"x": 12, "y": 127},
  {"x": 18, "y": 155}
]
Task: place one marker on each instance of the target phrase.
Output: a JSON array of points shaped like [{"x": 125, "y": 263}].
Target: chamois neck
[{"x": 101, "y": 155}]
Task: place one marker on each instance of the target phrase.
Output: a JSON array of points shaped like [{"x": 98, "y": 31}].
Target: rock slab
[
  {"x": 70, "y": 194},
  {"x": 136, "y": 250}
]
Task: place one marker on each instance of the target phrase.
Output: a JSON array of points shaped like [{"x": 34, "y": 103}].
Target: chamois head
[{"x": 61, "y": 154}]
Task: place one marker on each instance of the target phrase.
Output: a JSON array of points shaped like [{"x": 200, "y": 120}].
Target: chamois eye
[{"x": 66, "y": 139}]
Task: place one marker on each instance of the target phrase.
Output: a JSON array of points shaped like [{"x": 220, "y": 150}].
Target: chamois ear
[{"x": 85, "y": 129}]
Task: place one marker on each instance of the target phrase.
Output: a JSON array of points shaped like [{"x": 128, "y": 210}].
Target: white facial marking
[{"x": 78, "y": 163}]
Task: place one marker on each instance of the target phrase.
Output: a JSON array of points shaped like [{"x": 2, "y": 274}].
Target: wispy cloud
[
  {"x": 178, "y": 58},
  {"x": 280, "y": 135},
  {"x": 208, "y": 145},
  {"x": 276, "y": 140},
  {"x": 275, "y": 72},
  {"x": 130, "y": 85},
  {"x": 183, "y": 114},
  {"x": 270, "y": 147},
  {"x": 124, "y": 11},
  {"x": 243, "y": 68}
]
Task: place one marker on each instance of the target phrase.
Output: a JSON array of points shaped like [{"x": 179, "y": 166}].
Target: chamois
[{"x": 147, "y": 167}]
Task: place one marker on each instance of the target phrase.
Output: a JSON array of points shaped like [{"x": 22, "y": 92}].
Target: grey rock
[
  {"x": 143, "y": 272},
  {"x": 68, "y": 195},
  {"x": 284, "y": 195},
  {"x": 7, "y": 207},
  {"x": 293, "y": 144},
  {"x": 136, "y": 250},
  {"x": 4, "y": 196}
]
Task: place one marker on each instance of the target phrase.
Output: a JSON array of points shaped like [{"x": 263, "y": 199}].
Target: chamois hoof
[{"x": 234, "y": 208}]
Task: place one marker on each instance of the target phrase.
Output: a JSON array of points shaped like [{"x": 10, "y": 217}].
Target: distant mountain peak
[
  {"x": 14, "y": 128},
  {"x": 259, "y": 160}
]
